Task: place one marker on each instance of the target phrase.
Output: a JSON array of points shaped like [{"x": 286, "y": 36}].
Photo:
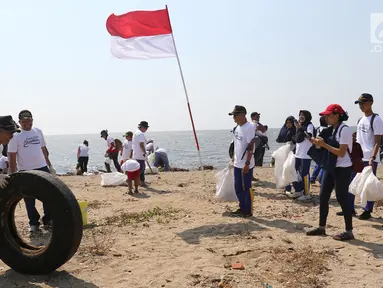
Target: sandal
[
  {"x": 343, "y": 237},
  {"x": 316, "y": 232}
]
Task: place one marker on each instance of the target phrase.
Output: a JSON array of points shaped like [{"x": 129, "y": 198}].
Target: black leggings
[
  {"x": 340, "y": 179},
  {"x": 83, "y": 164}
]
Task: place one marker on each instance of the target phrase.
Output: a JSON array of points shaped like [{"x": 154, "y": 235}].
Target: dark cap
[
  {"x": 8, "y": 124},
  {"x": 25, "y": 115},
  {"x": 104, "y": 132},
  {"x": 143, "y": 124},
  {"x": 129, "y": 133},
  {"x": 365, "y": 97},
  {"x": 238, "y": 109},
  {"x": 255, "y": 114}
]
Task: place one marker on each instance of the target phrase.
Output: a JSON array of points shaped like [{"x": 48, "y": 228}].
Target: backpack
[
  {"x": 356, "y": 158},
  {"x": 118, "y": 144},
  {"x": 231, "y": 146},
  {"x": 372, "y": 128}
]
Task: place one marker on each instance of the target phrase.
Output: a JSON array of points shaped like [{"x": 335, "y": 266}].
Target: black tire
[{"x": 66, "y": 216}]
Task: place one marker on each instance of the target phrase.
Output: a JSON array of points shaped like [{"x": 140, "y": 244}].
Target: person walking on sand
[
  {"x": 369, "y": 136},
  {"x": 337, "y": 171},
  {"x": 111, "y": 152},
  {"x": 27, "y": 151},
  {"x": 83, "y": 157},
  {"x": 243, "y": 161},
  {"x": 126, "y": 152},
  {"x": 139, "y": 151}
]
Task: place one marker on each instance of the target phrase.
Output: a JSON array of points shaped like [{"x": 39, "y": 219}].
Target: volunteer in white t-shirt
[
  {"x": 83, "y": 156},
  {"x": 243, "y": 161},
  {"x": 139, "y": 148},
  {"x": 111, "y": 152},
  {"x": 339, "y": 176},
  {"x": 27, "y": 151},
  {"x": 369, "y": 134},
  {"x": 161, "y": 159},
  {"x": 149, "y": 146},
  {"x": 302, "y": 160},
  {"x": 126, "y": 152}
]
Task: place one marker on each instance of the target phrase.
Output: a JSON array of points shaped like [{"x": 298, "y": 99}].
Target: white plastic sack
[
  {"x": 107, "y": 161},
  {"x": 289, "y": 174},
  {"x": 113, "y": 179},
  {"x": 130, "y": 166},
  {"x": 153, "y": 171},
  {"x": 280, "y": 156},
  {"x": 225, "y": 185},
  {"x": 366, "y": 186}
]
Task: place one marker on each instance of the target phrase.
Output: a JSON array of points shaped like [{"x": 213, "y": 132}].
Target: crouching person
[
  {"x": 243, "y": 162},
  {"x": 132, "y": 169}
]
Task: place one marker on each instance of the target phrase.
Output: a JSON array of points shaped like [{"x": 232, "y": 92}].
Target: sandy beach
[{"x": 176, "y": 234}]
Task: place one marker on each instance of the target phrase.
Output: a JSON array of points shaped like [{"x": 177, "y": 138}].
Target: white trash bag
[
  {"x": 153, "y": 171},
  {"x": 113, "y": 179},
  {"x": 225, "y": 185},
  {"x": 280, "y": 156},
  {"x": 289, "y": 174},
  {"x": 366, "y": 186}
]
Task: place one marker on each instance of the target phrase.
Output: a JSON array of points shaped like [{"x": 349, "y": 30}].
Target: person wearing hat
[
  {"x": 83, "y": 157},
  {"x": 337, "y": 174},
  {"x": 139, "y": 152},
  {"x": 149, "y": 146},
  {"x": 243, "y": 161},
  {"x": 369, "y": 134},
  {"x": 126, "y": 152},
  {"x": 111, "y": 152},
  {"x": 27, "y": 151},
  {"x": 7, "y": 128}
]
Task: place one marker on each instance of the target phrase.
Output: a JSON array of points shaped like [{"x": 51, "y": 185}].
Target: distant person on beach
[
  {"x": 139, "y": 148},
  {"x": 149, "y": 146},
  {"x": 111, "y": 152},
  {"x": 83, "y": 157},
  {"x": 304, "y": 129},
  {"x": 27, "y": 151},
  {"x": 318, "y": 172},
  {"x": 369, "y": 136},
  {"x": 127, "y": 149},
  {"x": 161, "y": 159},
  {"x": 243, "y": 161}
]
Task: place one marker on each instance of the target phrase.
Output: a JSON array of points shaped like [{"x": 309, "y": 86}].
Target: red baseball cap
[{"x": 333, "y": 108}]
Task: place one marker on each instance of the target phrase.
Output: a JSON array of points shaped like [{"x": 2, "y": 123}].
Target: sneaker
[
  {"x": 304, "y": 198},
  {"x": 340, "y": 213},
  {"x": 296, "y": 194},
  {"x": 236, "y": 213},
  {"x": 365, "y": 215},
  {"x": 246, "y": 215},
  {"x": 316, "y": 232},
  {"x": 33, "y": 228}
]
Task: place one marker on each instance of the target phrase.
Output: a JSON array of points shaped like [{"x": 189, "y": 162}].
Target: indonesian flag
[{"x": 141, "y": 35}]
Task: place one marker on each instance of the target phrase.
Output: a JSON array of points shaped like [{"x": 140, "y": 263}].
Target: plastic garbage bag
[
  {"x": 107, "y": 161},
  {"x": 225, "y": 185},
  {"x": 366, "y": 186},
  {"x": 280, "y": 156},
  {"x": 113, "y": 179},
  {"x": 153, "y": 171},
  {"x": 289, "y": 174}
]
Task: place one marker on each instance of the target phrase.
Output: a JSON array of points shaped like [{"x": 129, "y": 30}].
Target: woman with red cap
[{"x": 337, "y": 170}]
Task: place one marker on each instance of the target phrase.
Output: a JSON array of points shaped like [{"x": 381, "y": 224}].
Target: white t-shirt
[
  {"x": 243, "y": 135},
  {"x": 3, "y": 162},
  {"x": 130, "y": 166},
  {"x": 366, "y": 137},
  {"x": 84, "y": 150},
  {"x": 27, "y": 145},
  {"x": 161, "y": 150},
  {"x": 345, "y": 133},
  {"x": 258, "y": 132},
  {"x": 138, "y": 137},
  {"x": 109, "y": 141},
  {"x": 126, "y": 150},
  {"x": 303, "y": 147},
  {"x": 149, "y": 147}
]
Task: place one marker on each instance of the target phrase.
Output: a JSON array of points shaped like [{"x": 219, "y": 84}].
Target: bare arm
[
  {"x": 12, "y": 163},
  {"x": 261, "y": 128},
  {"x": 142, "y": 145},
  {"x": 45, "y": 152}
]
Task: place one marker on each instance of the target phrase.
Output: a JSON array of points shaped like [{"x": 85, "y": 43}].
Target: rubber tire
[{"x": 66, "y": 216}]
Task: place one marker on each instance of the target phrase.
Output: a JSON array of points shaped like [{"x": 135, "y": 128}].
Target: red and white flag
[{"x": 141, "y": 35}]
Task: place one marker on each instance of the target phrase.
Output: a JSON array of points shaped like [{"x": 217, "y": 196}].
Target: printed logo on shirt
[
  {"x": 35, "y": 140},
  {"x": 238, "y": 136},
  {"x": 365, "y": 128}
]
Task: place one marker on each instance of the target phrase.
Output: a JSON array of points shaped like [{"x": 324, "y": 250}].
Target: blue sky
[{"x": 275, "y": 57}]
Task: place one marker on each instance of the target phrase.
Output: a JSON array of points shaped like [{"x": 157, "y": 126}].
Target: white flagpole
[{"x": 187, "y": 97}]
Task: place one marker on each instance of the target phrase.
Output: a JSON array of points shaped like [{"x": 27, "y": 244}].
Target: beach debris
[
  {"x": 238, "y": 266},
  {"x": 206, "y": 167}
]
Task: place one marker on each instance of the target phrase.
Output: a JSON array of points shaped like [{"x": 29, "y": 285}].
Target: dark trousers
[
  {"x": 114, "y": 157},
  {"x": 303, "y": 170},
  {"x": 142, "y": 170},
  {"x": 370, "y": 204},
  {"x": 340, "y": 180},
  {"x": 83, "y": 164},
  {"x": 242, "y": 185},
  {"x": 30, "y": 204}
]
